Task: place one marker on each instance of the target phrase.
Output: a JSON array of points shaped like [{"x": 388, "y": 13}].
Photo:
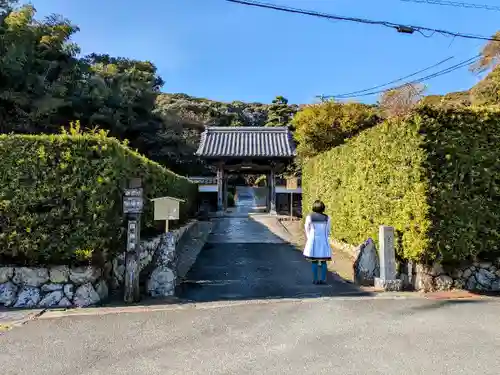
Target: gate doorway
[{"x": 247, "y": 150}]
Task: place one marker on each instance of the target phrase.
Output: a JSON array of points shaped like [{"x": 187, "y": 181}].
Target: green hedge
[
  {"x": 61, "y": 196},
  {"x": 434, "y": 176}
]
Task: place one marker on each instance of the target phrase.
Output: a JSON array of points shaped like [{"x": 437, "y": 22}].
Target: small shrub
[{"x": 230, "y": 199}]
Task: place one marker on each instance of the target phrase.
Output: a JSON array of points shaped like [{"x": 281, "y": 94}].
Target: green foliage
[
  {"x": 44, "y": 85},
  {"x": 490, "y": 55},
  {"x": 435, "y": 177},
  {"x": 230, "y": 199},
  {"x": 61, "y": 196},
  {"x": 452, "y": 99},
  {"x": 487, "y": 91},
  {"x": 280, "y": 113},
  {"x": 260, "y": 181},
  {"x": 184, "y": 118},
  {"x": 320, "y": 127},
  {"x": 201, "y": 112}
]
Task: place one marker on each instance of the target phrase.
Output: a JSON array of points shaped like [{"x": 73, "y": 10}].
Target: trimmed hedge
[
  {"x": 61, "y": 196},
  {"x": 434, "y": 176}
]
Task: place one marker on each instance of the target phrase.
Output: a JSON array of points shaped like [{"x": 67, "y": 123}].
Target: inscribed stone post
[
  {"x": 387, "y": 280},
  {"x": 387, "y": 253}
]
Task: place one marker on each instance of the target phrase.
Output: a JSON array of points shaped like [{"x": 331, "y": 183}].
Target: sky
[{"x": 224, "y": 51}]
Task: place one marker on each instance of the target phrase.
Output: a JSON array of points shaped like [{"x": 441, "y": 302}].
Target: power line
[
  {"x": 450, "y": 69},
  {"x": 396, "y": 80},
  {"x": 407, "y": 29},
  {"x": 456, "y": 4}
]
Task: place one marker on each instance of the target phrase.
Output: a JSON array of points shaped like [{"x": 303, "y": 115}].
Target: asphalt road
[
  {"x": 244, "y": 259},
  {"x": 256, "y": 271},
  {"x": 288, "y": 335},
  {"x": 319, "y": 336}
]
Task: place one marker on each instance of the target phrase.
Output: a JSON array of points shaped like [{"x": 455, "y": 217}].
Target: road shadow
[
  {"x": 244, "y": 260},
  {"x": 437, "y": 304}
]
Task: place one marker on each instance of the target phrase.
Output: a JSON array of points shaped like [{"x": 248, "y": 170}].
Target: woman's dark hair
[{"x": 318, "y": 207}]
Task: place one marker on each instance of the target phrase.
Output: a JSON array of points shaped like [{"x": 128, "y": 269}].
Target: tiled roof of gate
[{"x": 246, "y": 142}]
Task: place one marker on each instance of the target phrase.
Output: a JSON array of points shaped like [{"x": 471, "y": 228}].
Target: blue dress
[{"x": 317, "y": 229}]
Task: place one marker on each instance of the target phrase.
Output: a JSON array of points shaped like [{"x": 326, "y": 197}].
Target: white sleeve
[
  {"x": 328, "y": 227},
  {"x": 307, "y": 226}
]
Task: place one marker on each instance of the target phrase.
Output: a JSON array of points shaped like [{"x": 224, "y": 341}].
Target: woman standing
[{"x": 317, "y": 248}]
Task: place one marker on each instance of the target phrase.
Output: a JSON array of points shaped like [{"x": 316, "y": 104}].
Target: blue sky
[{"x": 224, "y": 51}]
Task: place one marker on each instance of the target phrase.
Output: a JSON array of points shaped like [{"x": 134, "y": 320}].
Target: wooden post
[
  {"x": 272, "y": 198},
  {"x": 220, "y": 188},
  {"x": 132, "y": 207},
  {"x": 226, "y": 192},
  {"x": 291, "y": 184}
]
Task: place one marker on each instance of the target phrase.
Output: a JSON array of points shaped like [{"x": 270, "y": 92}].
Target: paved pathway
[{"x": 246, "y": 259}]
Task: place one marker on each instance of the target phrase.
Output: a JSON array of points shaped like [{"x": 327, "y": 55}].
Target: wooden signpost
[
  {"x": 291, "y": 184},
  {"x": 166, "y": 208},
  {"x": 133, "y": 203}
]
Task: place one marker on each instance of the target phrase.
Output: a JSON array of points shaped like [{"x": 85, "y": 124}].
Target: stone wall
[
  {"x": 175, "y": 256},
  {"x": 351, "y": 250},
  {"x": 165, "y": 258},
  {"x": 163, "y": 261},
  {"x": 59, "y": 286},
  {"x": 480, "y": 276}
]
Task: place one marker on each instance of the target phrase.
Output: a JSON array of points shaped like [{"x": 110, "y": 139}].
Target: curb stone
[
  {"x": 8, "y": 319},
  {"x": 189, "y": 305}
]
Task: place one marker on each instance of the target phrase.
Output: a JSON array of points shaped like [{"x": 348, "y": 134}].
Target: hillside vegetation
[{"x": 45, "y": 84}]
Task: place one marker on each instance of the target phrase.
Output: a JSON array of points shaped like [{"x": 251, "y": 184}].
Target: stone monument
[
  {"x": 387, "y": 280},
  {"x": 366, "y": 267}
]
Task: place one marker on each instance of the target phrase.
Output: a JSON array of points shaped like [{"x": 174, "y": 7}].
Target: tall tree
[
  {"x": 489, "y": 57},
  {"x": 487, "y": 91},
  {"x": 400, "y": 101},
  {"x": 280, "y": 113},
  {"x": 320, "y": 127},
  {"x": 37, "y": 63}
]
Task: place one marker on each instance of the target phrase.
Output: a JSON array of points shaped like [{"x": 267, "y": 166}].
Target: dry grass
[{"x": 4, "y": 327}]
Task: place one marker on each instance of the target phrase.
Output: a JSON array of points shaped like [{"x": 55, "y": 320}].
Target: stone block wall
[
  {"x": 479, "y": 276},
  {"x": 59, "y": 286},
  {"x": 165, "y": 259},
  {"x": 175, "y": 257}
]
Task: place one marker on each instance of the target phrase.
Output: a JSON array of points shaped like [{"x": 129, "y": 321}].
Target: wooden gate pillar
[
  {"x": 272, "y": 191},
  {"x": 220, "y": 187},
  {"x": 226, "y": 190}
]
